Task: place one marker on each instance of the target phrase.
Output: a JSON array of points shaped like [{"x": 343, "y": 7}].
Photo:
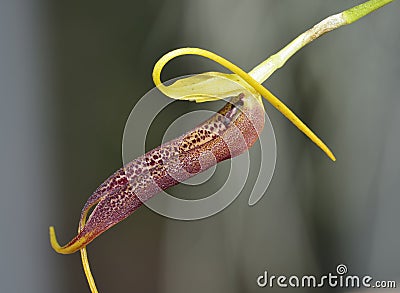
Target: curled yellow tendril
[
  {"x": 187, "y": 88},
  {"x": 69, "y": 249},
  {"x": 86, "y": 265}
]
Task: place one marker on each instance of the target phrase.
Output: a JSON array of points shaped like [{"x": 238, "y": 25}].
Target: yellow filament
[
  {"x": 248, "y": 79},
  {"x": 88, "y": 273},
  {"x": 78, "y": 245},
  {"x": 66, "y": 249},
  {"x": 85, "y": 260}
]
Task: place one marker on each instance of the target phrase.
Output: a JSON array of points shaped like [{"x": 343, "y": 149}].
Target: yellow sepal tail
[{"x": 183, "y": 90}]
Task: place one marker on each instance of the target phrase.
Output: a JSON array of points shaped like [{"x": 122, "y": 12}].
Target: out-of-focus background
[{"x": 70, "y": 73}]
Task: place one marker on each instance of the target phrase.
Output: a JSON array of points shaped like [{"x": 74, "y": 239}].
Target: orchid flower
[{"x": 125, "y": 190}]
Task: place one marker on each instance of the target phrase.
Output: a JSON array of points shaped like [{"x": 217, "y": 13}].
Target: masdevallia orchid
[{"x": 125, "y": 190}]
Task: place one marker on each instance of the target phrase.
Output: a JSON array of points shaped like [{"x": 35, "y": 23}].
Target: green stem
[
  {"x": 264, "y": 70},
  {"x": 355, "y": 13}
]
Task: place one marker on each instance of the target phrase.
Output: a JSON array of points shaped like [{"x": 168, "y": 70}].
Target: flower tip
[
  {"x": 53, "y": 240},
  {"x": 331, "y": 156},
  {"x": 74, "y": 245}
]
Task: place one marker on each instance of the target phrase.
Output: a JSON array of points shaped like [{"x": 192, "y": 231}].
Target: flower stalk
[{"x": 265, "y": 69}]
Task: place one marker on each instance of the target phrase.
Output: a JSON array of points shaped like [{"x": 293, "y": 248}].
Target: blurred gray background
[{"x": 71, "y": 71}]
